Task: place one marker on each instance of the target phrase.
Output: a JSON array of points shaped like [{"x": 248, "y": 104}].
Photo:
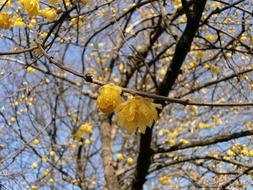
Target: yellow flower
[
  {"x": 164, "y": 180},
  {"x": 36, "y": 141},
  {"x": 86, "y": 128},
  {"x": 214, "y": 69},
  {"x": 120, "y": 156},
  {"x": 108, "y": 98},
  {"x": 200, "y": 54},
  {"x": 130, "y": 161},
  {"x": 51, "y": 180},
  {"x": 34, "y": 187},
  {"x": 31, "y": 6},
  {"x": 44, "y": 159},
  {"x": 184, "y": 141},
  {"x": 78, "y": 135},
  {"x": 250, "y": 153},
  {"x": 43, "y": 35},
  {"x": 5, "y": 20},
  {"x": 136, "y": 113},
  {"x": 52, "y": 153},
  {"x": 54, "y": 1},
  {"x": 230, "y": 153},
  {"x": 177, "y": 4},
  {"x": 46, "y": 172},
  {"x": 17, "y": 21},
  {"x": 85, "y": 1},
  {"x": 1, "y": 146},
  {"x": 87, "y": 142},
  {"x": 34, "y": 166},
  {"x": 202, "y": 125},
  {"x": 13, "y": 120},
  {"x": 210, "y": 37},
  {"x": 31, "y": 70},
  {"x": 48, "y": 13}
]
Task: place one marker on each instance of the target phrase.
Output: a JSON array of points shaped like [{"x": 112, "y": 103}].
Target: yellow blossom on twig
[
  {"x": 109, "y": 98},
  {"x": 137, "y": 113}
]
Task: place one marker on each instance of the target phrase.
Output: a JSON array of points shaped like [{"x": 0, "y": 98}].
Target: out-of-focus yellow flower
[
  {"x": 34, "y": 165},
  {"x": 243, "y": 37},
  {"x": 87, "y": 142},
  {"x": 36, "y": 141},
  {"x": 44, "y": 159},
  {"x": 86, "y": 128},
  {"x": 80, "y": 20},
  {"x": 13, "y": 120},
  {"x": 214, "y": 69},
  {"x": 48, "y": 13},
  {"x": 164, "y": 180},
  {"x": 217, "y": 119},
  {"x": 184, "y": 141},
  {"x": 230, "y": 153},
  {"x": 46, "y": 172},
  {"x": 31, "y": 6},
  {"x": 78, "y": 135},
  {"x": 51, "y": 180},
  {"x": 34, "y": 187},
  {"x": 109, "y": 98},
  {"x": 177, "y": 4},
  {"x": 250, "y": 153},
  {"x": 137, "y": 112},
  {"x": 43, "y": 35},
  {"x": 200, "y": 54},
  {"x": 120, "y": 156},
  {"x": 85, "y": 1},
  {"x": 31, "y": 70},
  {"x": 1, "y": 146},
  {"x": 210, "y": 37},
  {"x": 52, "y": 153},
  {"x": 130, "y": 161},
  {"x": 5, "y": 20},
  {"x": 17, "y": 21},
  {"x": 202, "y": 125},
  {"x": 54, "y": 1}
]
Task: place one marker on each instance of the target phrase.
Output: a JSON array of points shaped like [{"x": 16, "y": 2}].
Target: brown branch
[
  {"x": 171, "y": 162},
  {"x": 18, "y": 51},
  {"x": 213, "y": 82},
  {"x": 110, "y": 176},
  {"x": 206, "y": 142},
  {"x": 182, "y": 49},
  {"x": 88, "y": 78},
  {"x": 159, "y": 98}
]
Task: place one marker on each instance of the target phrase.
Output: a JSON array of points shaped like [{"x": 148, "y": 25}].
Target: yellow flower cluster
[
  {"x": 48, "y": 13},
  {"x": 54, "y": 1},
  {"x": 241, "y": 150},
  {"x": 5, "y": 20},
  {"x": 31, "y": 70},
  {"x": 17, "y": 21},
  {"x": 85, "y": 128},
  {"x": 164, "y": 180},
  {"x": 31, "y": 6},
  {"x": 135, "y": 113}
]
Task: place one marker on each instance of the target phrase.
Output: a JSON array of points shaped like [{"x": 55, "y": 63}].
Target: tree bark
[
  {"x": 182, "y": 48},
  {"x": 109, "y": 172}
]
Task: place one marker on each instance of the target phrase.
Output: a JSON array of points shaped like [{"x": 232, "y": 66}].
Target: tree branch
[
  {"x": 182, "y": 49},
  {"x": 206, "y": 142}
]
